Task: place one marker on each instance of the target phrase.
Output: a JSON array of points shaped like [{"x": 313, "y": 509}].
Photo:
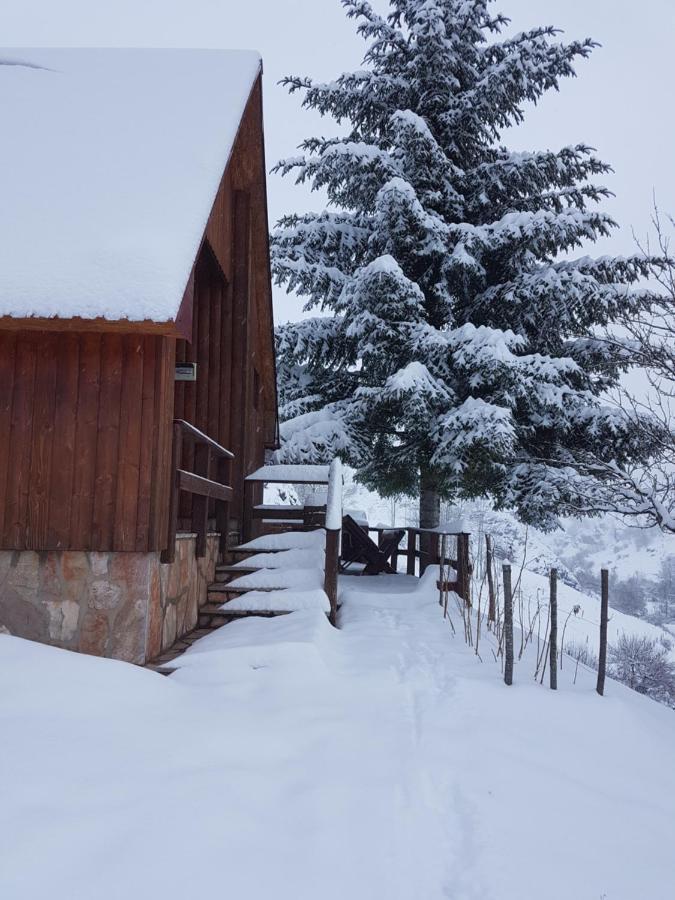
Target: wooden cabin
[{"x": 137, "y": 379}]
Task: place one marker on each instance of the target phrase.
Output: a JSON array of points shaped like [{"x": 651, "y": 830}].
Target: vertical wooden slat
[
  {"x": 191, "y": 390},
  {"x": 240, "y": 302},
  {"x": 179, "y": 393},
  {"x": 166, "y": 360},
  {"x": 166, "y": 424},
  {"x": 148, "y": 441},
  {"x": 7, "y": 364},
  {"x": 200, "y": 505},
  {"x": 225, "y": 398},
  {"x": 203, "y": 298},
  {"x": 16, "y": 496},
  {"x": 107, "y": 442},
  {"x": 89, "y": 378},
  {"x": 64, "y": 459},
  {"x": 129, "y": 445},
  {"x": 214, "y": 401},
  {"x": 169, "y": 551},
  {"x": 215, "y": 354},
  {"x": 42, "y": 442}
]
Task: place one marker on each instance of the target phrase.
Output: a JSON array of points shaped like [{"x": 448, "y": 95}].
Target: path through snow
[{"x": 287, "y": 760}]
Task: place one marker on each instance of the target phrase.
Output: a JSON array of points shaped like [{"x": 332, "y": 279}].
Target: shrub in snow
[
  {"x": 460, "y": 356},
  {"x": 645, "y": 666},
  {"x": 582, "y": 653}
]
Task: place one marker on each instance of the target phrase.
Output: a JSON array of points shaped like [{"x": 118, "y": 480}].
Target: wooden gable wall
[
  {"x": 234, "y": 397},
  {"x": 85, "y": 416}
]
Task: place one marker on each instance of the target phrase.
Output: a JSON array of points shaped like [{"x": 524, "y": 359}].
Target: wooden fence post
[
  {"x": 410, "y": 553},
  {"x": 508, "y": 626},
  {"x": 553, "y": 641},
  {"x": 489, "y": 562},
  {"x": 604, "y": 617},
  {"x": 463, "y": 576}
]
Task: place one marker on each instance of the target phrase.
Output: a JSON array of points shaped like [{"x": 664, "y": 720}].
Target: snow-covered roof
[
  {"x": 291, "y": 474},
  {"x": 110, "y": 161}
]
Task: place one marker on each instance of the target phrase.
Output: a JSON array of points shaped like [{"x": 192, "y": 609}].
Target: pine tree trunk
[{"x": 430, "y": 515}]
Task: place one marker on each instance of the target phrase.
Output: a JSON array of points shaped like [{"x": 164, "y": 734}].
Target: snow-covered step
[
  {"x": 286, "y": 540},
  {"x": 282, "y": 559},
  {"x": 273, "y": 579},
  {"x": 226, "y": 573},
  {"x": 216, "y": 614},
  {"x": 278, "y": 601}
]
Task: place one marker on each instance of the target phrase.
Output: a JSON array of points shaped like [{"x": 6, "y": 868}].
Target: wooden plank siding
[{"x": 77, "y": 444}]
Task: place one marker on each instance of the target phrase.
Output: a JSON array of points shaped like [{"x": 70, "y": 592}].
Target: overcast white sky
[{"x": 621, "y": 103}]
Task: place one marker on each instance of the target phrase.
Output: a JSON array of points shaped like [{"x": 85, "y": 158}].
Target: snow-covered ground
[{"x": 288, "y": 760}]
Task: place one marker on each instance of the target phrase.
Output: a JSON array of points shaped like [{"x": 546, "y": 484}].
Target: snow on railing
[{"x": 333, "y": 531}]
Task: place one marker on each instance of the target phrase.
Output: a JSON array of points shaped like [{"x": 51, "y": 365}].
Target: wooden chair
[{"x": 357, "y": 547}]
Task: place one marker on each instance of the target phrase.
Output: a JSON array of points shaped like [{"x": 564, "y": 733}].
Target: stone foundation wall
[
  {"x": 182, "y": 587},
  {"x": 124, "y": 605}
]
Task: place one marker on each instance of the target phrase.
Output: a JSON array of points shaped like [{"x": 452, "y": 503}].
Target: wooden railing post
[
  {"x": 331, "y": 576},
  {"x": 411, "y": 551},
  {"x": 434, "y": 556},
  {"x": 200, "y": 504},
  {"x": 247, "y": 519},
  {"x": 169, "y": 553},
  {"x": 222, "y": 507},
  {"x": 333, "y": 531}
]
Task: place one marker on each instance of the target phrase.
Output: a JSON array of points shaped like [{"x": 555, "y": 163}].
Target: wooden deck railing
[
  {"x": 432, "y": 557},
  {"x": 333, "y": 532},
  {"x": 200, "y": 484}
]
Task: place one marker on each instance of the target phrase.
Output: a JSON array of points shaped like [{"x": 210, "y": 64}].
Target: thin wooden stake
[
  {"x": 489, "y": 562},
  {"x": 604, "y": 617},
  {"x": 508, "y": 626},
  {"x": 554, "y": 630}
]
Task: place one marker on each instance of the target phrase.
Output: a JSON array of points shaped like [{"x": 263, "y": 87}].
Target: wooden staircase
[
  {"x": 263, "y": 559},
  {"x": 271, "y": 575}
]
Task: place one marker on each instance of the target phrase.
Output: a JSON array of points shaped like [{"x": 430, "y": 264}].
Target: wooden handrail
[
  {"x": 200, "y": 484},
  {"x": 198, "y": 437}
]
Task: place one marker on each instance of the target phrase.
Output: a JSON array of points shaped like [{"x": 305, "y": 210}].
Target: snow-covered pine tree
[{"x": 455, "y": 352}]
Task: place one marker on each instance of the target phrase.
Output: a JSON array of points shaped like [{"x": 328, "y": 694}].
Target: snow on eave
[{"x": 106, "y": 192}]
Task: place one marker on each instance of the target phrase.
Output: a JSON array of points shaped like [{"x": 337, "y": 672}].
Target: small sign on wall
[{"x": 186, "y": 371}]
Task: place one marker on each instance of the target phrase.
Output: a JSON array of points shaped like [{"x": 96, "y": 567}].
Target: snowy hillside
[{"x": 288, "y": 760}]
